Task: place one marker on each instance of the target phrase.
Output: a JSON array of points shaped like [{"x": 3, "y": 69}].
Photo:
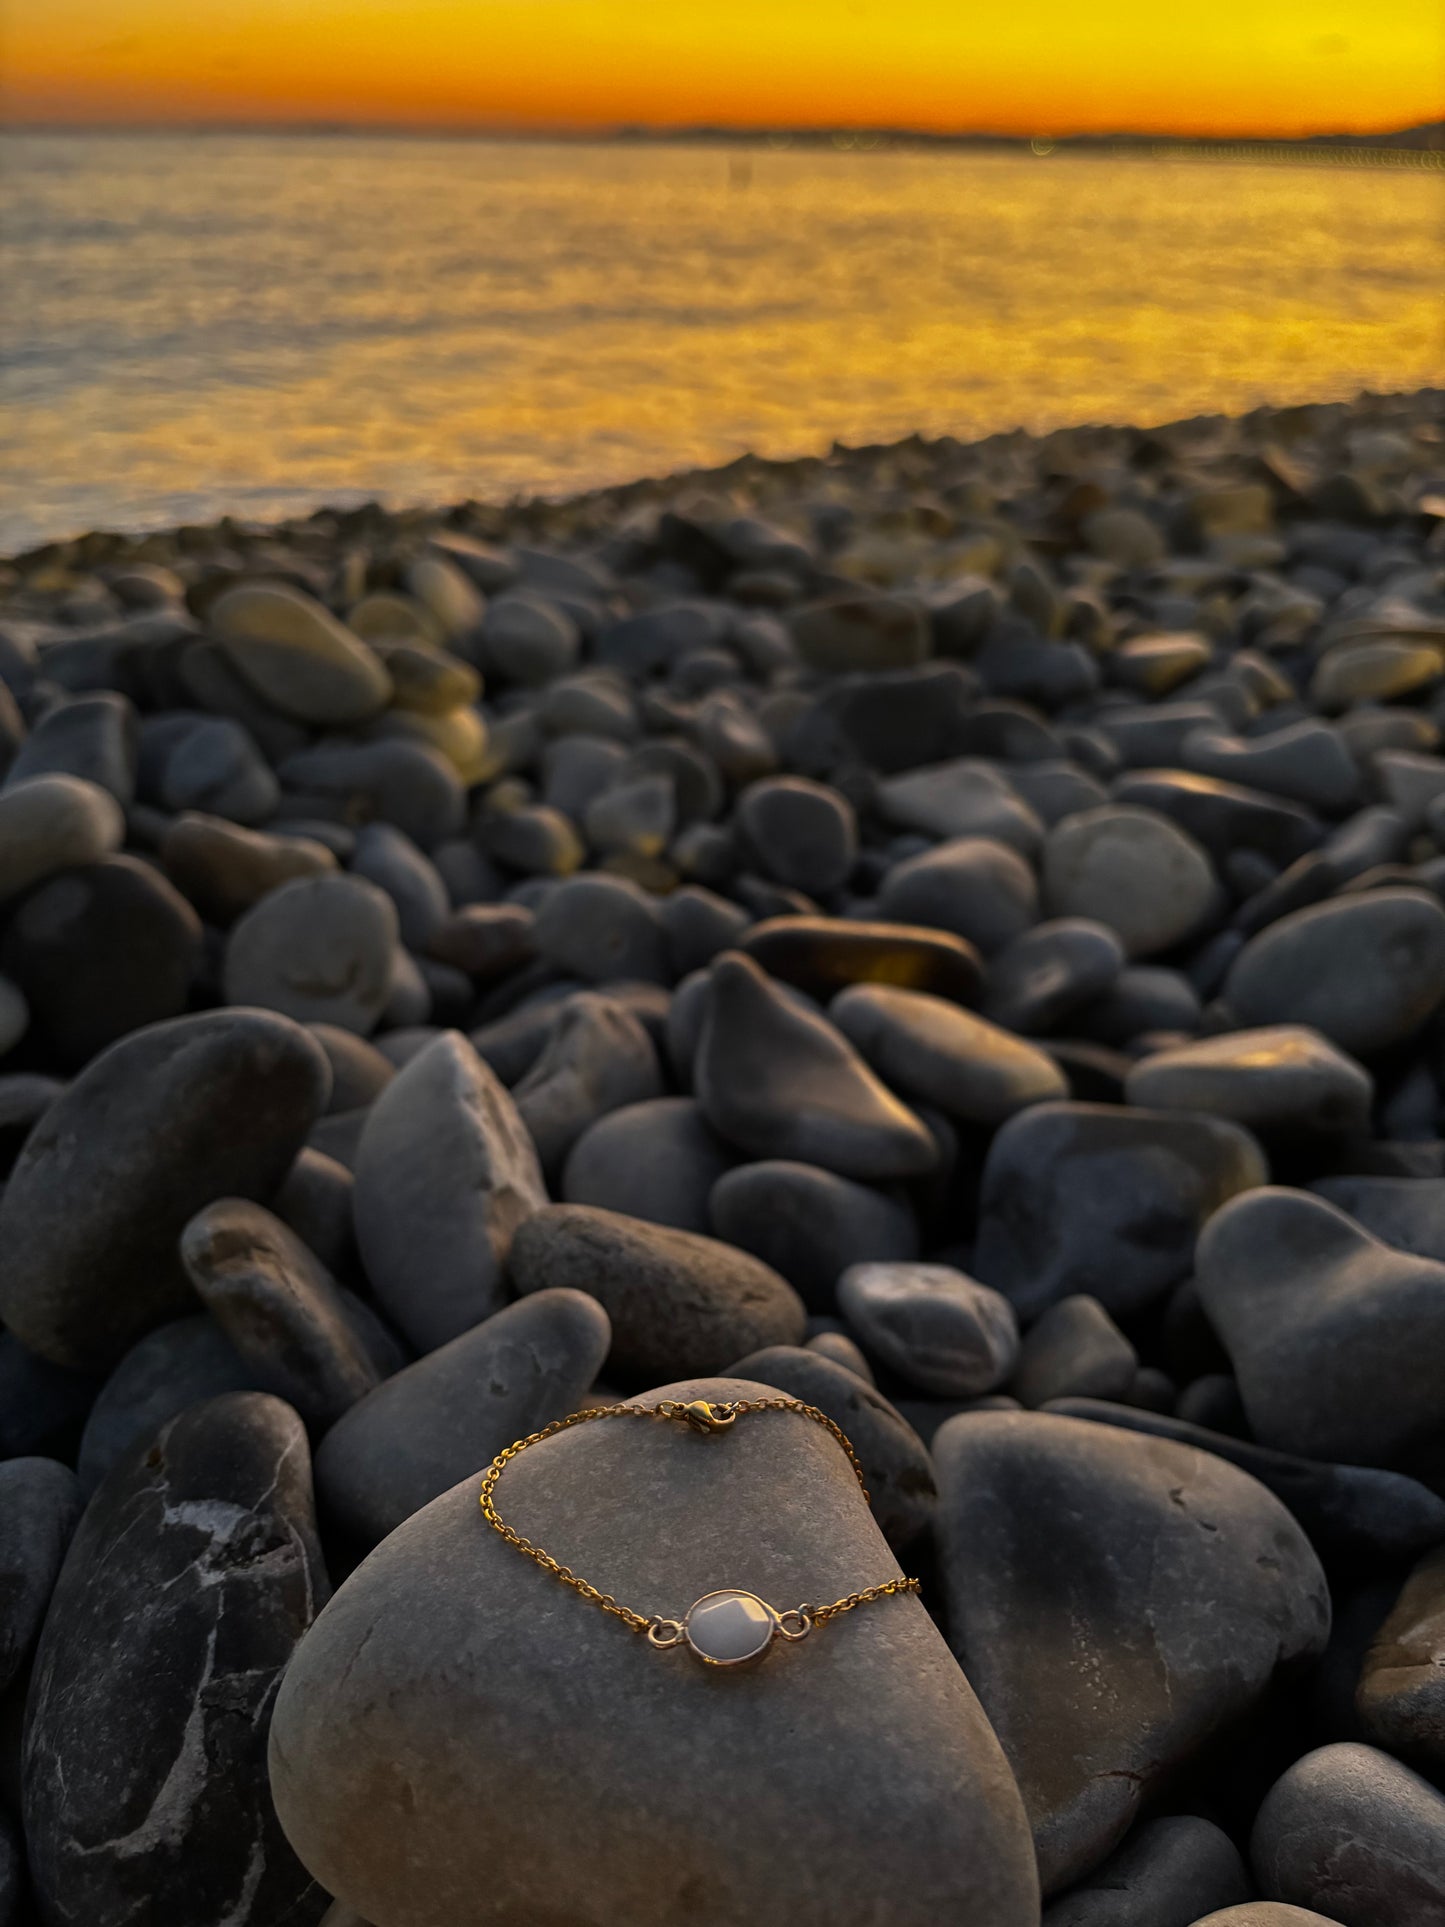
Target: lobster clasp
[{"x": 703, "y": 1416}]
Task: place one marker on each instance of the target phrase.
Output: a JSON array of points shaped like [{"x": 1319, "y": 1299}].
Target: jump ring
[
  {"x": 803, "y": 1627},
  {"x": 664, "y": 1633}
]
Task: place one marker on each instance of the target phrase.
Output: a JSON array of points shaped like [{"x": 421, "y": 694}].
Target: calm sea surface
[{"x": 257, "y": 324}]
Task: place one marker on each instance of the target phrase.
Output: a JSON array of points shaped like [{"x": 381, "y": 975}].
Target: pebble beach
[{"x": 950, "y": 933}]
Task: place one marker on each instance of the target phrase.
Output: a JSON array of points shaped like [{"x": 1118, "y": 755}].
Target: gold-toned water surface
[{"x": 257, "y": 324}]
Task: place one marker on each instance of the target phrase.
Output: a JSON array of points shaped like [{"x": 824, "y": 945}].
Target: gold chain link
[{"x": 714, "y": 1418}]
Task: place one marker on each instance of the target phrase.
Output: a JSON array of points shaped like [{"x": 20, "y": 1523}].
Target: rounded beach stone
[
  {"x": 881, "y": 1792},
  {"x": 1073, "y": 1553},
  {"x": 941, "y": 1054},
  {"x": 1266, "y": 1913},
  {"x": 297, "y": 657},
  {"x": 964, "y": 797},
  {"x": 165, "y": 1121},
  {"x": 1162, "y": 1875},
  {"x": 1306, "y": 762},
  {"x": 322, "y": 950},
  {"x": 1401, "y": 1695},
  {"x": 598, "y": 1058},
  {"x": 40, "y": 1502},
  {"x": 50, "y": 823},
  {"x": 279, "y": 1307},
  {"x": 1095, "y": 1199},
  {"x": 1075, "y": 1350},
  {"x": 1337, "y": 1340},
  {"x": 1406, "y": 1212},
  {"x": 192, "y": 1576},
  {"x": 1132, "y": 870},
  {"x": 393, "y": 778},
  {"x": 1352, "y": 1831},
  {"x": 657, "y": 1160},
  {"x": 779, "y": 1082},
  {"x": 1284, "y": 1077},
  {"x": 445, "y": 1174},
  {"x": 92, "y": 737},
  {"x": 223, "y": 869},
  {"x": 809, "y": 1224},
  {"x": 980, "y": 889},
  {"x": 804, "y": 833},
  {"x": 216, "y": 767},
  {"x": 1367, "y": 969},
  {"x": 525, "y": 639},
  {"x": 677, "y": 1301},
  {"x": 181, "y": 1363},
  {"x": 821, "y": 955},
  {"x": 861, "y": 631},
  {"x": 602, "y": 929},
  {"x": 452, "y": 1412},
  {"x": 101, "y": 951},
  {"x": 939, "y": 1330},
  {"x": 895, "y": 1461},
  {"x": 1043, "y": 977},
  {"x": 390, "y": 860}
]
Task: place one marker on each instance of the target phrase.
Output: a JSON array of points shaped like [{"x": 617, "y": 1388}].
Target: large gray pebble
[
  {"x": 938, "y": 1053},
  {"x": 322, "y": 950},
  {"x": 297, "y": 657},
  {"x": 450, "y": 1675},
  {"x": 1351, "y": 1830},
  {"x": 1131, "y": 869},
  {"x": 453, "y": 1411},
  {"x": 603, "y": 929},
  {"x": 1077, "y": 1554},
  {"x": 158, "y": 1126},
  {"x": 676, "y": 1301},
  {"x": 965, "y": 797},
  {"x": 1285, "y": 1077},
  {"x": 1162, "y": 1875},
  {"x": 51, "y": 823},
  {"x": 657, "y": 1160},
  {"x": 91, "y": 737},
  {"x": 934, "y": 1326},
  {"x": 810, "y": 1224},
  {"x": 976, "y": 887},
  {"x": 445, "y": 1174}
]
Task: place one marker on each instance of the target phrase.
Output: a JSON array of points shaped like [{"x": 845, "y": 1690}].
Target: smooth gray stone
[
  {"x": 359, "y": 1072},
  {"x": 1162, "y": 1875},
  {"x": 52, "y": 823},
  {"x": 821, "y": 956},
  {"x": 389, "y": 859},
  {"x": 1351, "y": 1830},
  {"x": 938, "y": 1053},
  {"x": 224, "y": 869},
  {"x": 102, "y": 951},
  {"x": 1054, "y": 789},
  {"x": 1094, "y": 1199},
  {"x": 861, "y": 630},
  {"x": 487, "y": 941},
  {"x": 217, "y": 768},
  {"x": 1408, "y": 1213},
  {"x": 1075, "y": 1554},
  {"x": 321, "y": 950},
  {"x": 178, "y": 1365},
  {"x": 296, "y": 656},
  {"x": 657, "y": 1160},
  {"x": 839, "y": 1347},
  {"x": 699, "y": 925},
  {"x": 651, "y": 641},
  {"x": 937, "y": 1328},
  {"x": 1337, "y": 1340},
  {"x": 597, "y": 1059},
  {"x": 576, "y": 770},
  {"x": 964, "y": 797},
  {"x": 1050, "y": 972},
  {"x": 165, "y": 1121},
  {"x": 192, "y": 1576},
  {"x": 315, "y": 1201},
  {"x": 1307, "y": 762},
  {"x": 591, "y": 703},
  {"x": 1142, "y": 1001},
  {"x": 1367, "y": 969},
  {"x": 40, "y": 1502},
  {"x": 25, "y": 1096},
  {"x": 810, "y": 1224},
  {"x": 394, "y": 779},
  {"x": 1285, "y": 1077},
  {"x": 531, "y": 838},
  {"x": 601, "y": 928},
  {"x": 697, "y": 787},
  {"x": 92, "y": 737},
  {"x": 978, "y": 888},
  {"x": 525, "y": 638},
  {"x": 1266, "y": 1913},
  {"x": 445, "y": 1174},
  {"x": 633, "y": 819},
  {"x": 1222, "y": 817},
  {"x": 279, "y": 1307},
  {"x": 804, "y": 834},
  {"x": 1075, "y": 1350},
  {"x": 1401, "y": 1695},
  {"x": 895, "y": 1461},
  {"x": 1132, "y": 870},
  {"x": 676, "y": 1301},
  {"x": 779, "y": 1082},
  {"x": 512, "y": 1044},
  {"x": 451, "y": 1667},
  {"x": 1354, "y": 1515},
  {"x": 452, "y": 1412}
]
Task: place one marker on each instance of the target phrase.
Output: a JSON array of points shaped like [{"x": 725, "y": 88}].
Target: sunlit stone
[{"x": 727, "y": 1628}]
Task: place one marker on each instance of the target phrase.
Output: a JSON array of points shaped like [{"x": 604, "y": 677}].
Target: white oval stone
[{"x": 727, "y": 1628}]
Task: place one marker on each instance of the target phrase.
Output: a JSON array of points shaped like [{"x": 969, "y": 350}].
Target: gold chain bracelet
[{"x": 727, "y": 1628}]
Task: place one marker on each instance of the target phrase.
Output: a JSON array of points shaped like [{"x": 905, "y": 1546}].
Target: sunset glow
[{"x": 1195, "y": 66}]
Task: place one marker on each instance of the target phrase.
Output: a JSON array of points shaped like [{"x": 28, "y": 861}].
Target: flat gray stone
[
  {"x": 322, "y": 950},
  {"x": 1131, "y": 869},
  {"x": 1284, "y": 1077},
  {"x": 445, "y": 1174},
  {"x": 451, "y": 1674},
  {"x": 938, "y": 1053},
  {"x": 597, "y": 1059},
  {"x": 658, "y": 1160},
  {"x": 676, "y": 1301},
  {"x": 452, "y": 1412},
  {"x": 936, "y": 1327}
]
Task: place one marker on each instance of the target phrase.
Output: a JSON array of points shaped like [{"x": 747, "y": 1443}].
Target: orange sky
[{"x": 1038, "y": 66}]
